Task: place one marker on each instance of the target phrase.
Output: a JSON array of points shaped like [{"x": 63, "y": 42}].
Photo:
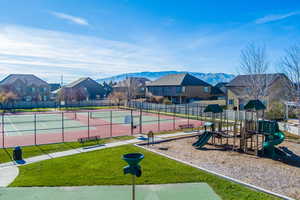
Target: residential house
[
  {"x": 26, "y": 87},
  {"x": 179, "y": 88},
  {"x": 79, "y": 90},
  {"x": 240, "y": 89},
  {"x": 133, "y": 87}
]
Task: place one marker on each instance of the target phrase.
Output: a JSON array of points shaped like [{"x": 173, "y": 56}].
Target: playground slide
[
  {"x": 271, "y": 141},
  {"x": 203, "y": 139}
]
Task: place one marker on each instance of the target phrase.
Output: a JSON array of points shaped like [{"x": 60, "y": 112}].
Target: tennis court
[
  {"x": 44, "y": 123},
  {"x": 191, "y": 191},
  {"x": 24, "y": 129}
]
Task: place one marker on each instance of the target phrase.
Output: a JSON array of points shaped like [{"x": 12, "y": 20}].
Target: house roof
[
  {"x": 181, "y": 79},
  {"x": 126, "y": 82},
  {"x": 28, "y": 79},
  {"x": 221, "y": 84},
  {"x": 75, "y": 83},
  {"x": 245, "y": 80}
]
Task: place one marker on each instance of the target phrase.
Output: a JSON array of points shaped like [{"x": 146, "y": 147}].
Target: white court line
[{"x": 16, "y": 129}]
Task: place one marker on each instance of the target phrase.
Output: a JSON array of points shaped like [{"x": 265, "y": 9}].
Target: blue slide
[{"x": 203, "y": 139}]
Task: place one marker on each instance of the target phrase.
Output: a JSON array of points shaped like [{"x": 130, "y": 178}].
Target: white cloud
[
  {"x": 271, "y": 18},
  {"x": 51, "y": 53},
  {"x": 76, "y": 20}
]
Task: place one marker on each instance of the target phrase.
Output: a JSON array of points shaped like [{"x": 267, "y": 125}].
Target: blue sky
[{"x": 102, "y": 38}]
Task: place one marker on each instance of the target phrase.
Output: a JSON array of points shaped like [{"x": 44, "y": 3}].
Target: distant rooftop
[
  {"x": 245, "y": 80},
  {"x": 28, "y": 79},
  {"x": 182, "y": 79}
]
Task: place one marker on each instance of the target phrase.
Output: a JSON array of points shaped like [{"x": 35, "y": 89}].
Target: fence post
[
  {"x": 34, "y": 128},
  {"x": 158, "y": 120},
  {"x": 3, "y": 144},
  {"x": 174, "y": 114},
  {"x": 110, "y": 123},
  {"x": 141, "y": 120},
  {"x": 197, "y": 115},
  {"x": 131, "y": 114},
  {"x": 188, "y": 114},
  {"x": 62, "y": 127},
  {"x": 89, "y": 124}
]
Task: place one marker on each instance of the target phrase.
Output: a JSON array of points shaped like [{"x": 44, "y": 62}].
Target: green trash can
[{"x": 17, "y": 153}]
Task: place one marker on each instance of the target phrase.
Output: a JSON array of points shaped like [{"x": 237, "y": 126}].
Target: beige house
[
  {"x": 275, "y": 86},
  {"x": 133, "y": 87},
  {"x": 26, "y": 87}
]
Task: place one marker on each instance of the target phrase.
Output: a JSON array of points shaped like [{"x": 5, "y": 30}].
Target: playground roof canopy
[
  {"x": 214, "y": 108},
  {"x": 255, "y": 105}
]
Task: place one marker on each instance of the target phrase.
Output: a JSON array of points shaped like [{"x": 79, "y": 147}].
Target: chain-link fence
[
  {"x": 21, "y": 129},
  {"x": 191, "y": 110}
]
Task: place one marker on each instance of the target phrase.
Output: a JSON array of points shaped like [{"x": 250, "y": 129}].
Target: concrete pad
[
  {"x": 191, "y": 191},
  {"x": 8, "y": 175}
]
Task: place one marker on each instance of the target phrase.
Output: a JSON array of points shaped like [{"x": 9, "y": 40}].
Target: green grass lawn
[
  {"x": 104, "y": 167},
  {"x": 30, "y": 151}
]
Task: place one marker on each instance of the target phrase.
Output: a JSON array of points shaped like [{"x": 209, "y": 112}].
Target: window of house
[
  {"x": 33, "y": 89},
  {"x": 183, "y": 88},
  {"x": 178, "y": 90},
  {"x": 230, "y": 101},
  {"x": 206, "y": 89}
]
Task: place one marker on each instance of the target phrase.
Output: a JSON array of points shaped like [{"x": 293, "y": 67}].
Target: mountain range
[{"x": 211, "y": 78}]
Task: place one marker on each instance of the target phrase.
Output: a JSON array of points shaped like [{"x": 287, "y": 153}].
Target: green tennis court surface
[
  {"x": 45, "y": 123},
  {"x": 119, "y": 117},
  {"x": 188, "y": 191}
]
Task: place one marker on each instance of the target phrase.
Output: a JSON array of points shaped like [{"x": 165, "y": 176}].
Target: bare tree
[
  {"x": 290, "y": 65},
  {"x": 72, "y": 94},
  {"x": 253, "y": 62},
  {"x": 7, "y": 97},
  {"x": 117, "y": 97}
]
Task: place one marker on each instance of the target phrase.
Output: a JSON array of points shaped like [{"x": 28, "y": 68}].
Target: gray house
[{"x": 179, "y": 88}]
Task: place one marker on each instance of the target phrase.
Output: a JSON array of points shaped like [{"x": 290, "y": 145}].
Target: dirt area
[{"x": 263, "y": 172}]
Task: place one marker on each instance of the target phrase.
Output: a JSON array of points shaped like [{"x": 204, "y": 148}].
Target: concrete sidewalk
[{"x": 9, "y": 171}]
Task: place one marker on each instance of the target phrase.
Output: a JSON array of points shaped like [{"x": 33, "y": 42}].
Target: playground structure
[{"x": 255, "y": 136}]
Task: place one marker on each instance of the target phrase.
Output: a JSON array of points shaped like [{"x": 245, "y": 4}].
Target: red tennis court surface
[{"x": 25, "y": 129}]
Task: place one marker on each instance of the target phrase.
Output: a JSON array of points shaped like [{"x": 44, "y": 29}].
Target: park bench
[
  {"x": 88, "y": 139},
  {"x": 185, "y": 126}
]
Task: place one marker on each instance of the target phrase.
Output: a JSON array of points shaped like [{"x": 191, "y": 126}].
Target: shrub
[
  {"x": 166, "y": 101},
  {"x": 276, "y": 111}
]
